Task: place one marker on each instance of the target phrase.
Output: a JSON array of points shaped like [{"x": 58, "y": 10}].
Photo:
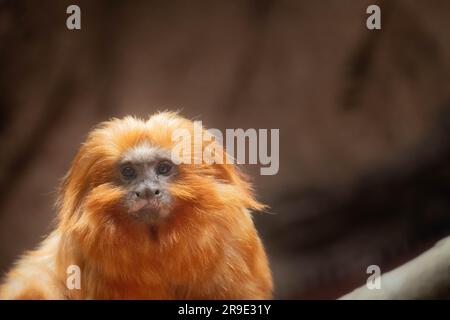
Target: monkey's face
[
  {"x": 145, "y": 173},
  {"x": 124, "y": 171}
]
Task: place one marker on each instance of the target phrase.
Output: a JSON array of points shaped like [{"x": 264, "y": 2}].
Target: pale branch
[{"x": 425, "y": 277}]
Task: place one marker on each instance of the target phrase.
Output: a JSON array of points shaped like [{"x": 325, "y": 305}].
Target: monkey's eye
[
  {"x": 164, "y": 167},
  {"x": 128, "y": 172}
]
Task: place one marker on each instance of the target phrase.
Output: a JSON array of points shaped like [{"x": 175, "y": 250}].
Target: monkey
[{"x": 140, "y": 225}]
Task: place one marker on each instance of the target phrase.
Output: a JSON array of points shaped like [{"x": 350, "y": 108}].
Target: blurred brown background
[{"x": 364, "y": 116}]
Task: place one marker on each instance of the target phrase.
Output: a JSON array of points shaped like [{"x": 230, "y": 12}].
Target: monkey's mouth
[{"x": 149, "y": 210}]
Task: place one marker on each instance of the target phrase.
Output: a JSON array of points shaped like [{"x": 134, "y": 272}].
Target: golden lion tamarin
[{"x": 139, "y": 226}]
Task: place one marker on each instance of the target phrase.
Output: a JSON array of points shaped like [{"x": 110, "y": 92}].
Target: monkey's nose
[{"x": 147, "y": 193}]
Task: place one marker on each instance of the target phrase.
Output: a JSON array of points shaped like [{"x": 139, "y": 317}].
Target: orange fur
[{"x": 207, "y": 249}]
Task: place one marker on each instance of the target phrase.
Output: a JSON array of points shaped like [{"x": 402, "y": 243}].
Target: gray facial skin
[{"x": 145, "y": 172}]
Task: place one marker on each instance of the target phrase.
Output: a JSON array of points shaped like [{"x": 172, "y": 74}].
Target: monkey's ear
[{"x": 232, "y": 174}]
